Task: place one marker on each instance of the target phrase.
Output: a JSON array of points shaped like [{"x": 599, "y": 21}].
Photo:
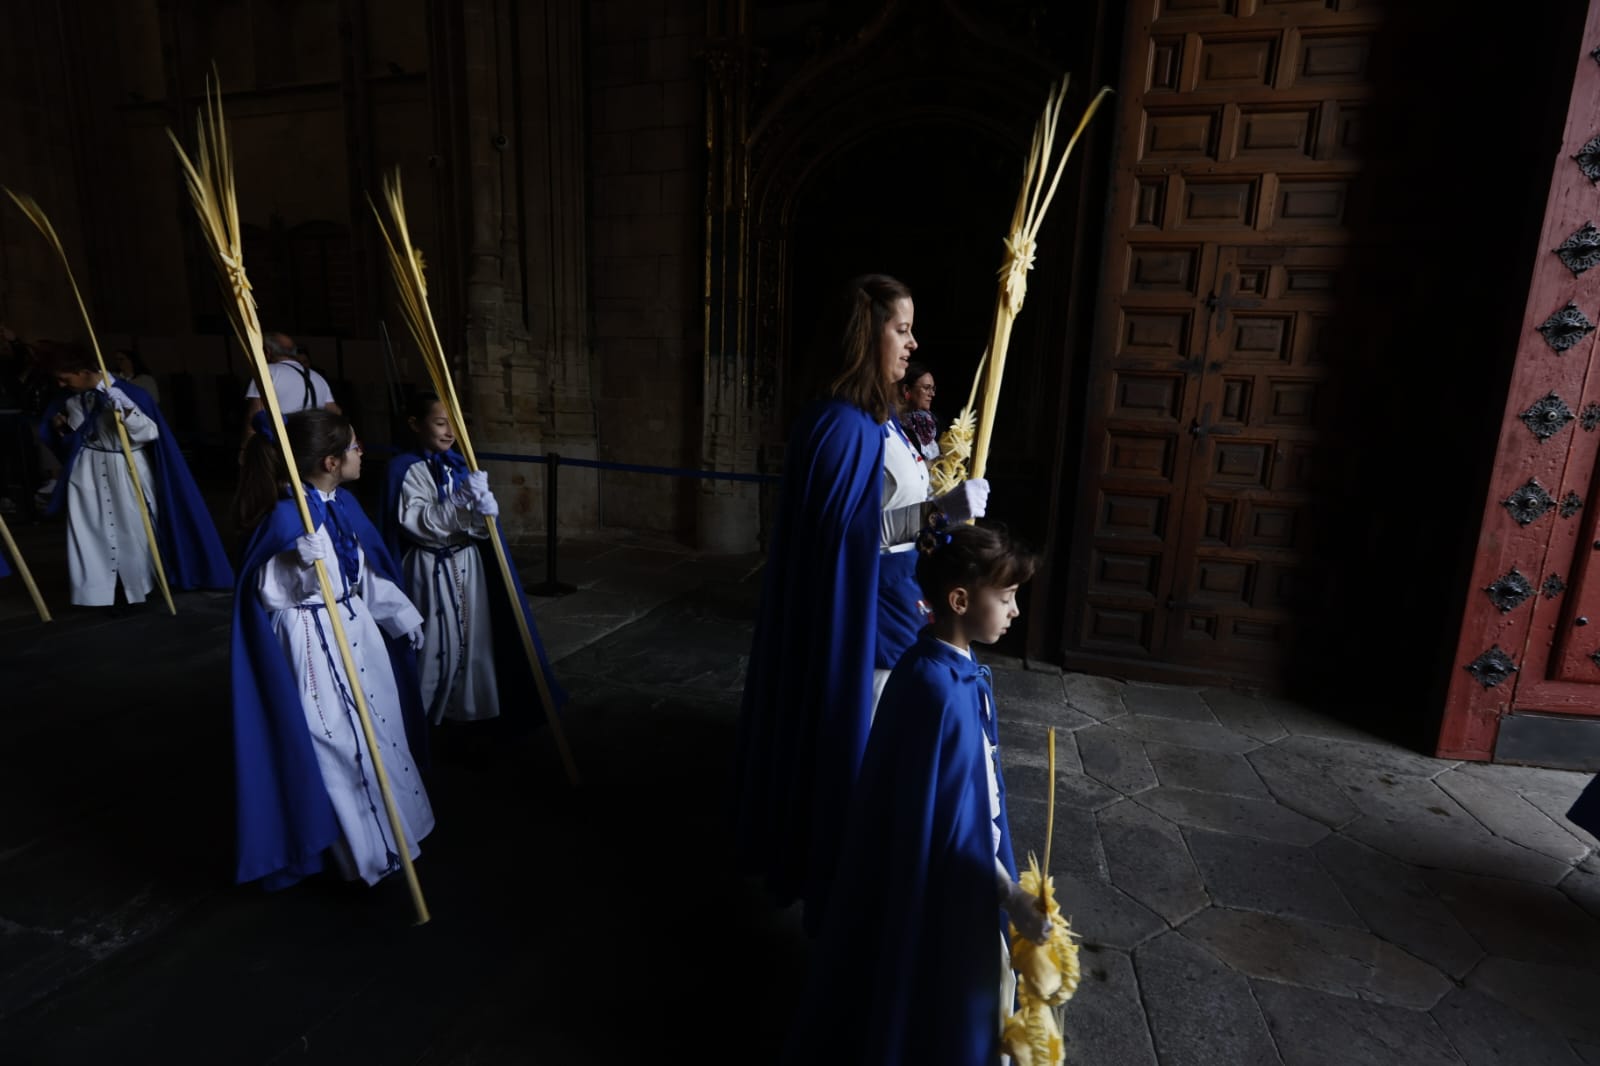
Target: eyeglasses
[{"x": 356, "y": 447}]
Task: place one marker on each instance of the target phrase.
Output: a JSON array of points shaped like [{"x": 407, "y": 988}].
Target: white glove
[
  {"x": 461, "y": 496},
  {"x": 1022, "y": 907},
  {"x": 311, "y": 547},
  {"x": 486, "y": 505},
  {"x": 970, "y": 499},
  {"x": 478, "y": 483},
  {"x": 120, "y": 401},
  {"x": 415, "y": 637}
]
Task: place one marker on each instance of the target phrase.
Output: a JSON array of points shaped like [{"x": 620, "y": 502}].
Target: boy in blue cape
[
  {"x": 433, "y": 512},
  {"x": 911, "y": 967},
  {"x": 106, "y": 541}
]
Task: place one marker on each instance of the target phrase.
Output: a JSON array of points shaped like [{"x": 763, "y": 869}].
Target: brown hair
[
  {"x": 865, "y": 305},
  {"x": 314, "y": 435},
  {"x": 67, "y": 357},
  {"x": 966, "y": 556}
]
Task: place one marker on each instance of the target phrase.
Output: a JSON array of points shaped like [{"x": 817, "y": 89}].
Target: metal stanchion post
[{"x": 550, "y": 586}]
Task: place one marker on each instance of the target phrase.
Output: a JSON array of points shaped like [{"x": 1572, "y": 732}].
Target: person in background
[
  {"x": 298, "y": 387},
  {"x": 916, "y": 410},
  {"x": 127, "y": 364}
]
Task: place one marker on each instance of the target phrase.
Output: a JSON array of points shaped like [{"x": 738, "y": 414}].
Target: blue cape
[
  {"x": 807, "y": 702},
  {"x": 512, "y": 672},
  {"x": 191, "y": 551},
  {"x": 5, "y": 570},
  {"x": 907, "y": 969},
  {"x": 284, "y": 817},
  {"x": 1585, "y": 811}
]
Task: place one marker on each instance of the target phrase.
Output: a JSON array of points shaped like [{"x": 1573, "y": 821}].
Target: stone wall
[{"x": 646, "y": 195}]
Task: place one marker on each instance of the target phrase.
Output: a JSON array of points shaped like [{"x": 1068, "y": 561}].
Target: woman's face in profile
[
  {"x": 895, "y": 343},
  {"x": 920, "y": 393}
]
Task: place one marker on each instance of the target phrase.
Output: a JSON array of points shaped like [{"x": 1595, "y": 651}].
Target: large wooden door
[
  {"x": 1526, "y": 682},
  {"x": 1238, "y": 126}
]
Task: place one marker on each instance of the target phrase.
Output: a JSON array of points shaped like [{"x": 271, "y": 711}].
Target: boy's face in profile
[
  {"x": 77, "y": 380},
  {"x": 989, "y": 612}
]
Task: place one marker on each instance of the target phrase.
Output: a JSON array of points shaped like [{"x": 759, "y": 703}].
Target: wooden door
[
  {"x": 1238, "y": 126},
  {"x": 1525, "y": 686}
]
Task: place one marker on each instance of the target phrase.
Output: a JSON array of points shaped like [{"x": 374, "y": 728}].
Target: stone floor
[{"x": 1253, "y": 882}]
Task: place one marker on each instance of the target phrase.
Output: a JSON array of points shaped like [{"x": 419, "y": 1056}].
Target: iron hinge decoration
[
  {"x": 1565, "y": 328},
  {"x": 1594, "y": 657},
  {"x": 1595, "y": 54},
  {"x": 1588, "y": 158},
  {"x": 1509, "y": 591},
  {"x": 1492, "y": 667},
  {"x": 1571, "y": 504},
  {"x": 1529, "y": 503},
  {"x": 1590, "y": 417},
  {"x": 1553, "y": 586},
  {"x": 1547, "y": 417},
  {"x": 1581, "y": 250}
]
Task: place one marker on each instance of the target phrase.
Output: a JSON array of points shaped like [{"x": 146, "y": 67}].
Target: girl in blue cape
[
  {"x": 839, "y": 603},
  {"x": 306, "y": 791},
  {"x": 106, "y": 542},
  {"x": 912, "y": 965},
  {"x": 433, "y": 516}
]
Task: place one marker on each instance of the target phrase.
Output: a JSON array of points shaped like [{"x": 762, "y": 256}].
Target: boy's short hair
[{"x": 969, "y": 556}]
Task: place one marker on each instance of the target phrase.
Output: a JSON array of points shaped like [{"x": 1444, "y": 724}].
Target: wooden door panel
[{"x": 1237, "y": 124}]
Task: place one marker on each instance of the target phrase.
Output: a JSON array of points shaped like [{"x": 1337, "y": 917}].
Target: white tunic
[
  {"x": 445, "y": 574},
  {"x": 298, "y": 388},
  {"x": 905, "y": 485},
  {"x": 106, "y": 540},
  {"x": 292, "y": 597}
]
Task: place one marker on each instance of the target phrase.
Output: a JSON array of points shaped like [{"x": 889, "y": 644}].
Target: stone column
[{"x": 728, "y": 513}]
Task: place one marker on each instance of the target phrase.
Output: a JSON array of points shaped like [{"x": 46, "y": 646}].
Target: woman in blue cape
[
  {"x": 306, "y": 794},
  {"x": 839, "y": 599},
  {"x": 433, "y": 513},
  {"x": 106, "y": 542},
  {"x": 912, "y": 967}
]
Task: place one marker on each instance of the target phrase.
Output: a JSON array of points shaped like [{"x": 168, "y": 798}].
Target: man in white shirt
[{"x": 299, "y": 388}]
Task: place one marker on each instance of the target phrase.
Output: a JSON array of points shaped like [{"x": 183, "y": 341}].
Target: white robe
[
  {"x": 292, "y": 597},
  {"x": 106, "y": 539},
  {"x": 905, "y": 484},
  {"x": 446, "y": 577}
]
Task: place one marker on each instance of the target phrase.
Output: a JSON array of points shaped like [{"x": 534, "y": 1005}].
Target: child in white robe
[
  {"x": 106, "y": 538},
  {"x": 279, "y": 575},
  {"x": 441, "y": 510}
]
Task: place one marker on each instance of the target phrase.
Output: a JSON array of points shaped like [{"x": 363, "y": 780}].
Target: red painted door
[{"x": 1530, "y": 636}]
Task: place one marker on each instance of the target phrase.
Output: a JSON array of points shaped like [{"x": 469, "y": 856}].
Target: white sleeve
[
  {"x": 321, "y": 392},
  {"x": 426, "y": 518},
  {"x": 284, "y": 581},
  {"x": 390, "y": 607},
  {"x": 142, "y": 429}
]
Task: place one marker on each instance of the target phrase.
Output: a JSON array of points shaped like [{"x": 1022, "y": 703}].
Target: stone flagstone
[
  {"x": 1299, "y": 784},
  {"x": 1201, "y": 1013},
  {"x": 1115, "y": 759},
  {"x": 1205, "y": 771},
  {"x": 1436, "y": 845},
  {"x": 1336, "y": 755},
  {"x": 1263, "y": 875},
  {"x": 1486, "y": 1032},
  {"x": 1518, "y": 920},
  {"x": 1507, "y": 814},
  {"x": 1320, "y": 1029},
  {"x": 1098, "y": 697},
  {"x": 1560, "y": 997},
  {"x": 1345, "y": 962},
  {"x": 1103, "y": 914},
  {"x": 1149, "y": 860},
  {"x": 1105, "y": 1020},
  {"x": 1398, "y": 905},
  {"x": 1244, "y": 713},
  {"x": 1233, "y": 814},
  {"x": 1166, "y": 701},
  {"x": 1206, "y": 736}
]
